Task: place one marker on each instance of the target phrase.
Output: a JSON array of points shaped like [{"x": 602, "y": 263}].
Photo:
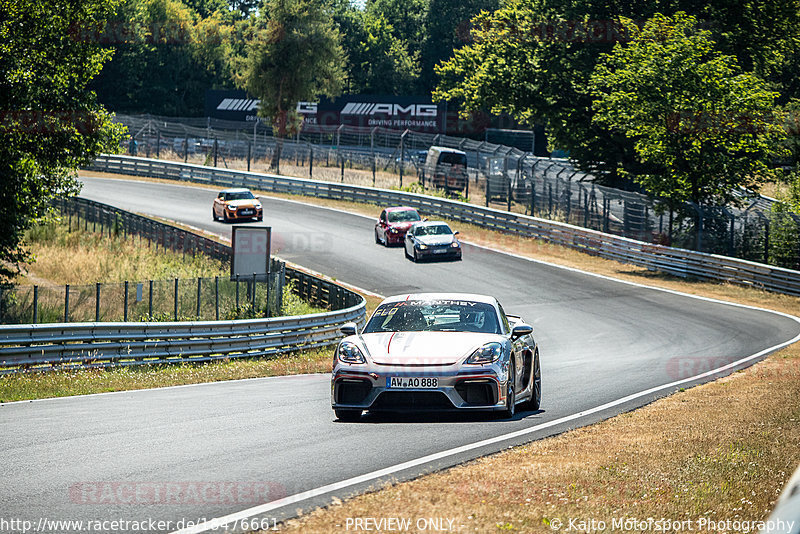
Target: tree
[
  {"x": 699, "y": 125},
  {"x": 293, "y": 54},
  {"x": 165, "y": 58},
  {"x": 380, "y": 62},
  {"x": 50, "y": 124}
]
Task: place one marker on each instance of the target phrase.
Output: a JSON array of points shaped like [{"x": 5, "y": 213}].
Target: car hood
[
  {"x": 401, "y": 226},
  {"x": 433, "y": 240},
  {"x": 423, "y": 348}
]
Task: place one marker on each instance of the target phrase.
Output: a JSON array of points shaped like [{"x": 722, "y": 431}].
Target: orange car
[{"x": 235, "y": 204}]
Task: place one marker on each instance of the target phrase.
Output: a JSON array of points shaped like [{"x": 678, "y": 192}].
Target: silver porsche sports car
[{"x": 436, "y": 351}]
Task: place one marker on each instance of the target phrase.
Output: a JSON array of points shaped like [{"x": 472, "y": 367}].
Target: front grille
[
  {"x": 351, "y": 390},
  {"x": 412, "y": 400},
  {"x": 477, "y": 392}
]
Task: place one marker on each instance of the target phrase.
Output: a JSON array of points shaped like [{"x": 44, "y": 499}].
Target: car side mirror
[
  {"x": 521, "y": 330},
  {"x": 348, "y": 329},
  {"x": 456, "y": 232}
]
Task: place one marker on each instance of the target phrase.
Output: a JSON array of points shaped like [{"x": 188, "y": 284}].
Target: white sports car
[{"x": 436, "y": 351}]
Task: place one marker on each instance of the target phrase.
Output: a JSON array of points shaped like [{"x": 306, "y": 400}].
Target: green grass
[{"x": 39, "y": 385}]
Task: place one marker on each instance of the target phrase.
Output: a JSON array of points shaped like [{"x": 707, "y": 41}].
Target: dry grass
[{"x": 82, "y": 257}]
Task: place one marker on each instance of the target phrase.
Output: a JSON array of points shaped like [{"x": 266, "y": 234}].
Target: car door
[
  {"x": 219, "y": 205},
  {"x": 409, "y": 243}
]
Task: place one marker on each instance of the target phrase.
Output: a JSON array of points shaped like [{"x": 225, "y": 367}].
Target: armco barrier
[
  {"x": 72, "y": 345},
  {"x": 679, "y": 262}
]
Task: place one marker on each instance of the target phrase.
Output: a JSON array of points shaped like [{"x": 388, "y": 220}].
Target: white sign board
[{"x": 251, "y": 247}]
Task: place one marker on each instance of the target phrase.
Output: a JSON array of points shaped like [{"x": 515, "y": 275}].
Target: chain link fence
[{"x": 497, "y": 175}]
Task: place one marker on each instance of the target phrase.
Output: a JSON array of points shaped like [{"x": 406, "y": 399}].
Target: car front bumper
[
  {"x": 363, "y": 387},
  {"x": 439, "y": 252}
]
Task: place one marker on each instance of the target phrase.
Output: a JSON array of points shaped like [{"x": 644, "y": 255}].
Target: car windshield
[
  {"x": 239, "y": 195},
  {"x": 443, "y": 315},
  {"x": 403, "y": 216},
  {"x": 434, "y": 229},
  {"x": 451, "y": 158}
]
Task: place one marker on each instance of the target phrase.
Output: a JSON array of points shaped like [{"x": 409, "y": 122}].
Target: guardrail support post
[
  {"x": 216, "y": 297},
  {"x": 176, "y": 300},
  {"x": 66, "y": 303},
  {"x": 125, "y": 309},
  {"x": 97, "y": 302},
  {"x": 150, "y": 304}
]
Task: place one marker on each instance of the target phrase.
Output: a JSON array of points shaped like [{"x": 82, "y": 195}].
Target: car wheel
[
  {"x": 377, "y": 239},
  {"x": 405, "y": 251},
  {"x": 213, "y": 214},
  {"x": 415, "y": 259},
  {"x": 511, "y": 398},
  {"x": 536, "y": 385},
  {"x": 225, "y": 216},
  {"x": 348, "y": 416},
  {"x": 260, "y": 219}
]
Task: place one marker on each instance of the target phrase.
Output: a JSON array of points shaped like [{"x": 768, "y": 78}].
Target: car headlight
[
  {"x": 421, "y": 246},
  {"x": 486, "y": 354},
  {"x": 232, "y": 208},
  {"x": 258, "y": 206},
  {"x": 455, "y": 244},
  {"x": 350, "y": 353}
]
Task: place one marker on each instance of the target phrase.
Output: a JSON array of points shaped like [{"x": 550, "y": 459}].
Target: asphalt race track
[{"x": 231, "y": 446}]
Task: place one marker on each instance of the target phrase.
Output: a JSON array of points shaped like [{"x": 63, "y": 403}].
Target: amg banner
[{"x": 414, "y": 113}]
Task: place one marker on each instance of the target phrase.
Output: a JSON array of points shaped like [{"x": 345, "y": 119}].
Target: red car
[{"x": 393, "y": 224}]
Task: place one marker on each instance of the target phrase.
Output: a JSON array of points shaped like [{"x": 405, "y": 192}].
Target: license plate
[
  {"x": 412, "y": 382},
  {"x": 439, "y": 251},
  {"x": 247, "y": 212}
]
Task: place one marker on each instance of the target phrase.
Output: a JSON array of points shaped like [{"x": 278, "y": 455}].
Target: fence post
[
  {"x": 125, "y": 309},
  {"x": 186, "y": 148},
  {"x": 402, "y": 155},
  {"x": 176, "y": 300},
  {"x": 35, "y": 304},
  {"x": 66, "y": 303},
  {"x": 342, "y": 162},
  {"x": 150, "y": 305},
  {"x": 199, "y": 282},
  {"x": 158, "y": 143},
  {"x": 766, "y": 240},
  {"x": 97, "y": 302},
  {"x": 253, "y": 295},
  {"x": 248, "y": 156},
  {"x": 311, "y": 161},
  {"x": 237, "y": 295},
  {"x": 216, "y": 297}
]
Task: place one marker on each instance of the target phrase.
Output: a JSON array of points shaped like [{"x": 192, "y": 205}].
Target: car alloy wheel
[
  {"x": 536, "y": 394},
  {"x": 511, "y": 399}
]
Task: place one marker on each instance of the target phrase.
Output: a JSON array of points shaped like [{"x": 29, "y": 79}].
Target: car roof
[
  {"x": 447, "y": 149},
  {"x": 401, "y": 208},
  {"x": 235, "y": 190},
  {"x": 473, "y": 297}
]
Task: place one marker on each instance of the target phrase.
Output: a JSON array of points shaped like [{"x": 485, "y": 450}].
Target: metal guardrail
[
  {"x": 72, "y": 345},
  {"x": 679, "y": 262}
]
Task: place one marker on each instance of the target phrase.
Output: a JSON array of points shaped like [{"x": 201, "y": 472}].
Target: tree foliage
[
  {"x": 700, "y": 127},
  {"x": 50, "y": 124},
  {"x": 165, "y": 57},
  {"x": 292, "y": 53}
]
